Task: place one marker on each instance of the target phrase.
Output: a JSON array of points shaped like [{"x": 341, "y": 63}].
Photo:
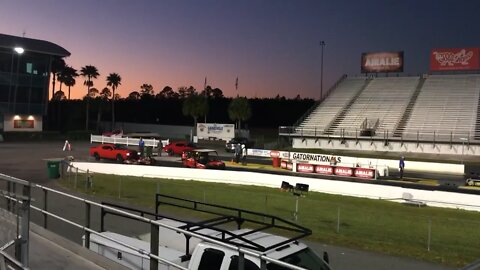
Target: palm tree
[
  {"x": 57, "y": 65},
  {"x": 195, "y": 106},
  {"x": 113, "y": 80},
  {"x": 239, "y": 110},
  {"x": 67, "y": 76},
  {"x": 88, "y": 72}
]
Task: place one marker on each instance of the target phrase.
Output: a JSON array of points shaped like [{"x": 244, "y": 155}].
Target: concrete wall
[
  {"x": 431, "y": 198},
  {"x": 459, "y": 149}
]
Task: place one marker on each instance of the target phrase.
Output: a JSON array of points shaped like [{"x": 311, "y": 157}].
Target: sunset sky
[{"x": 272, "y": 46}]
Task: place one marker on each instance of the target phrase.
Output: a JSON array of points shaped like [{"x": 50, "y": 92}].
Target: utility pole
[{"x": 322, "y": 44}]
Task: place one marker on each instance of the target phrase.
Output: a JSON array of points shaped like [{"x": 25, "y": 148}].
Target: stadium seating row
[{"x": 408, "y": 107}]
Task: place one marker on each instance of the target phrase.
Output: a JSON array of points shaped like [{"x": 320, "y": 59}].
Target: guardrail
[
  {"x": 18, "y": 203},
  {"x": 155, "y": 259},
  {"x": 432, "y": 136}
]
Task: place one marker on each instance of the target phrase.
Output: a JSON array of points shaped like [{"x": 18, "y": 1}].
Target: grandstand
[{"x": 424, "y": 109}]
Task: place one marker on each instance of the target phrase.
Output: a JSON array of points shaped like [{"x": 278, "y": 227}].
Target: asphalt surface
[{"x": 29, "y": 161}]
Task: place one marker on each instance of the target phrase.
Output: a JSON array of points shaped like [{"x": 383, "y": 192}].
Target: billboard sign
[
  {"x": 455, "y": 59},
  {"x": 215, "y": 131},
  {"x": 378, "y": 62}
]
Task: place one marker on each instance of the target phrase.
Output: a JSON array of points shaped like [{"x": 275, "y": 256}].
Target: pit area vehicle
[
  {"x": 202, "y": 159},
  {"x": 177, "y": 148},
  {"x": 230, "y": 145},
  {"x": 255, "y": 248},
  {"x": 111, "y": 151}
]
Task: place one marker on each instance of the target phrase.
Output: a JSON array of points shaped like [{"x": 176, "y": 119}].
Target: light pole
[
  {"x": 19, "y": 51},
  {"x": 322, "y": 44}
]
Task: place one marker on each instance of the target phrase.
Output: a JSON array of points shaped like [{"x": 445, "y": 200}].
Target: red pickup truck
[{"x": 116, "y": 152}]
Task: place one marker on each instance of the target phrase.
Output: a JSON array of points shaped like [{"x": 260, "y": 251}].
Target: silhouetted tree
[
  {"x": 217, "y": 93},
  {"x": 105, "y": 93},
  {"x": 146, "y": 90},
  {"x": 134, "y": 95},
  {"x": 239, "y": 110},
  {"x": 167, "y": 93},
  {"x": 184, "y": 92},
  {"x": 57, "y": 64},
  {"x": 113, "y": 80},
  {"x": 59, "y": 95},
  {"x": 88, "y": 72},
  {"x": 67, "y": 76},
  {"x": 195, "y": 106}
]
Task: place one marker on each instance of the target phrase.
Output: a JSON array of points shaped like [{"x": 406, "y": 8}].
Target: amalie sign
[
  {"x": 455, "y": 59},
  {"x": 378, "y": 62}
]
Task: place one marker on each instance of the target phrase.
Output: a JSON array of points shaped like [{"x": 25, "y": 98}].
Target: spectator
[
  {"x": 401, "y": 166},
  {"x": 141, "y": 146},
  {"x": 238, "y": 152},
  {"x": 244, "y": 154},
  {"x": 160, "y": 148},
  {"x": 333, "y": 161}
]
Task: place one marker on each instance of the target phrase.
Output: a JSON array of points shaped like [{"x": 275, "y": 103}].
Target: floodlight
[{"x": 19, "y": 50}]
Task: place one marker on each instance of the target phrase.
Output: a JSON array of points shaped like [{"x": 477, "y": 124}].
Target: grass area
[{"x": 446, "y": 236}]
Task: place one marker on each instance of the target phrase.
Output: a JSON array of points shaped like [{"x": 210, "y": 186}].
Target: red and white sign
[
  {"x": 289, "y": 166},
  {"x": 343, "y": 171},
  {"x": 364, "y": 173},
  {"x": 455, "y": 59},
  {"x": 274, "y": 154},
  {"x": 324, "y": 169},
  {"x": 283, "y": 165},
  {"x": 23, "y": 123},
  {"x": 306, "y": 168},
  {"x": 382, "y": 62}
]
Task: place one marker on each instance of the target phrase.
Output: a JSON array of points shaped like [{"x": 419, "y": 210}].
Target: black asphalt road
[{"x": 28, "y": 161}]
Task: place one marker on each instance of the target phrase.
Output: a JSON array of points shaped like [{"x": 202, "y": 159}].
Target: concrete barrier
[{"x": 365, "y": 190}]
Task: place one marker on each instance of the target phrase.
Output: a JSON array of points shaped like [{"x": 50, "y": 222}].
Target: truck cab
[{"x": 208, "y": 256}]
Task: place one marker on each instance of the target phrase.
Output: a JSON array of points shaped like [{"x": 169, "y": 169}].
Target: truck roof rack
[{"x": 222, "y": 218}]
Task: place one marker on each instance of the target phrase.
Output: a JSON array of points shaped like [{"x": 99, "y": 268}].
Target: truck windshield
[{"x": 305, "y": 258}]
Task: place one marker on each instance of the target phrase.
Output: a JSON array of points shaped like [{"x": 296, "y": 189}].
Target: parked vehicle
[
  {"x": 202, "y": 159},
  {"x": 111, "y": 151},
  {"x": 230, "y": 145},
  {"x": 177, "y": 148},
  {"x": 192, "y": 253}
]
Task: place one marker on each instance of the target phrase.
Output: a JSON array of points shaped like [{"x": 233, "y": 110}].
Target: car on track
[
  {"x": 202, "y": 159},
  {"x": 112, "y": 151},
  {"x": 230, "y": 145},
  {"x": 177, "y": 148}
]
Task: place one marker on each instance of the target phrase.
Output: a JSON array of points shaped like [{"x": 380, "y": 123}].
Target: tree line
[{"x": 167, "y": 106}]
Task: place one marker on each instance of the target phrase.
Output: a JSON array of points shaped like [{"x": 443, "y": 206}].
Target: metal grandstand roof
[{"x": 32, "y": 45}]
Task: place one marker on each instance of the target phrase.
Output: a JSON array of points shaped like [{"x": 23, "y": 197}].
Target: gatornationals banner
[{"x": 455, "y": 59}]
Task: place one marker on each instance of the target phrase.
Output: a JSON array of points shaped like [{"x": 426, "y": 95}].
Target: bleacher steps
[
  {"x": 339, "y": 118},
  {"x": 408, "y": 110},
  {"x": 477, "y": 123}
]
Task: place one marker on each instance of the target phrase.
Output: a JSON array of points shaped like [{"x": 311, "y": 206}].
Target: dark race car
[
  {"x": 230, "y": 145},
  {"x": 202, "y": 159}
]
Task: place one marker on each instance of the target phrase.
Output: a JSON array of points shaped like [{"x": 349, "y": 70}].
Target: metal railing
[
  {"x": 153, "y": 255},
  {"x": 18, "y": 203},
  {"x": 444, "y": 136}
]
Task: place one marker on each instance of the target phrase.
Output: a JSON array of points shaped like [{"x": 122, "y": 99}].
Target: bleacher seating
[
  {"x": 321, "y": 117},
  {"x": 384, "y": 99},
  {"x": 446, "y": 103}
]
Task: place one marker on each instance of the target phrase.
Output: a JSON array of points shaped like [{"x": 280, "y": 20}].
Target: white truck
[{"x": 183, "y": 251}]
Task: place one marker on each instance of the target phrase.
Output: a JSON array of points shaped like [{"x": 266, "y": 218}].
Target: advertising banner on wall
[
  {"x": 455, "y": 59},
  {"x": 379, "y": 62},
  {"x": 215, "y": 131}
]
